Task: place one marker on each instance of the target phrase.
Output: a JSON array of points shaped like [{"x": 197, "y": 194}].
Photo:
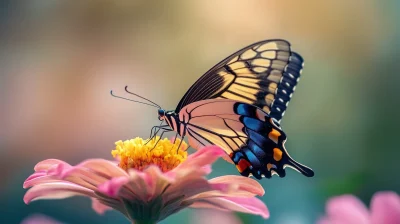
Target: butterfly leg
[
  {"x": 154, "y": 131},
  {"x": 180, "y": 143},
  {"x": 161, "y": 135},
  {"x": 154, "y": 128},
  {"x": 176, "y": 136},
  {"x": 151, "y": 131}
]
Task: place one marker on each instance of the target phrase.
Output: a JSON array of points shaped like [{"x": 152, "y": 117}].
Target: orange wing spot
[
  {"x": 242, "y": 165},
  {"x": 274, "y": 135},
  {"x": 269, "y": 166},
  {"x": 277, "y": 154}
]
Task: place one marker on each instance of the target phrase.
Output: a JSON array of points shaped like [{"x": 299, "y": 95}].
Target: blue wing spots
[
  {"x": 258, "y": 139},
  {"x": 255, "y": 162},
  {"x": 244, "y": 109},
  {"x": 237, "y": 156},
  {"x": 259, "y": 152},
  {"x": 255, "y": 124}
]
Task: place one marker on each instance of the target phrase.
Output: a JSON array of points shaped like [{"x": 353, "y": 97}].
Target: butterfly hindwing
[
  {"x": 263, "y": 74},
  {"x": 252, "y": 139}
]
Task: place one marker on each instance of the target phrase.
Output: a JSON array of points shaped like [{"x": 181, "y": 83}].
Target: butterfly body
[{"x": 238, "y": 104}]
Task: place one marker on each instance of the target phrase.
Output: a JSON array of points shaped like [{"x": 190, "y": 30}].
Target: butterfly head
[{"x": 161, "y": 114}]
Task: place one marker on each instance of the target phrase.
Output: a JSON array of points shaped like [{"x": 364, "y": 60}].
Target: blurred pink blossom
[
  {"x": 150, "y": 194},
  {"x": 347, "y": 209},
  {"x": 39, "y": 219}
]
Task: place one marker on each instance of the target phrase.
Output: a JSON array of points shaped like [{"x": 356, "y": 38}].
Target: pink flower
[
  {"x": 347, "y": 209},
  {"x": 147, "y": 195},
  {"x": 39, "y": 219}
]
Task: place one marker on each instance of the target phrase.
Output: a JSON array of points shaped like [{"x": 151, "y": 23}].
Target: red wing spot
[
  {"x": 242, "y": 165},
  {"x": 231, "y": 155}
]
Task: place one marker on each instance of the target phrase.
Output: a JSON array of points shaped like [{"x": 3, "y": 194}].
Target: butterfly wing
[
  {"x": 263, "y": 74},
  {"x": 251, "y": 138}
]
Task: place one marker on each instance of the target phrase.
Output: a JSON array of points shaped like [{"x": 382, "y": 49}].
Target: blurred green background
[{"x": 59, "y": 60}]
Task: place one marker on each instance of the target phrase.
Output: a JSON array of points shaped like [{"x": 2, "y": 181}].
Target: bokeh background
[{"x": 59, "y": 60}]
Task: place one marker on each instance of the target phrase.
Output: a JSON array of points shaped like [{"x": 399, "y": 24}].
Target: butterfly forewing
[{"x": 263, "y": 74}]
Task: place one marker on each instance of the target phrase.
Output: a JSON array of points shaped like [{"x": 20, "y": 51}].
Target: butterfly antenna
[
  {"x": 116, "y": 96},
  {"x": 126, "y": 89}
]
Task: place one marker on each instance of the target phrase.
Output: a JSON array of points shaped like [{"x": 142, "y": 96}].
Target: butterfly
[{"x": 238, "y": 105}]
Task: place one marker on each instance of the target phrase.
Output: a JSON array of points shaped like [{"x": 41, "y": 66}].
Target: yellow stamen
[{"x": 136, "y": 154}]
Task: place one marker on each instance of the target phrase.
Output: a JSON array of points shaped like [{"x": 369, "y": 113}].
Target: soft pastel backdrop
[{"x": 59, "y": 59}]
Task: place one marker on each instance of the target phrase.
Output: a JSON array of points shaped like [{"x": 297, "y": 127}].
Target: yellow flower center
[{"x": 135, "y": 153}]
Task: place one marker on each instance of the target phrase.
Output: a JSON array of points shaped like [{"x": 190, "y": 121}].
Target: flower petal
[
  {"x": 202, "y": 157},
  {"x": 84, "y": 177},
  {"x": 231, "y": 186},
  {"x": 385, "y": 208},
  {"x": 112, "y": 187},
  {"x": 251, "y": 205},
  {"x": 189, "y": 184},
  {"x": 39, "y": 179},
  {"x": 89, "y": 173},
  {"x": 57, "y": 190},
  {"x": 347, "y": 209},
  {"x": 245, "y": 186},
  {"x": 99, "y": 207},
  {"x": 104, "y": 167},
  {"x": 48, "y": 163},
  {"x": 156, "y": 181}
]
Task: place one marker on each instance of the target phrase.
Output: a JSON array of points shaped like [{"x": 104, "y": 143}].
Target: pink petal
[
  {"x": 39, "y": 180},
  {"x": 347, "y": 209},
  {"x": 55, "y": 191},
  {"x": 155, "y": 180},
  {"x": 99, "y": 207},
  {"x": 206, "y": 169},
  {"x": 59, "y": 169},
  {"x": 245, "y": 186},
  {"x": 48, "y": 163},
  {"x": 137, "y": 186},
  {"x": 89, "y": 173},
  {"x": 189, "y": 183},
  {"x": 104, "y": 167},
  {"x": 112, "y": 187},
  {"x": 210, "y": 216},
  {"x": 385, "y": 208},
  {"x": 202, "y": 157},
  {"x": 251, "y": 205},
  {"x": 84, "y": 177},
  {"x": 38, "y": 177}
]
